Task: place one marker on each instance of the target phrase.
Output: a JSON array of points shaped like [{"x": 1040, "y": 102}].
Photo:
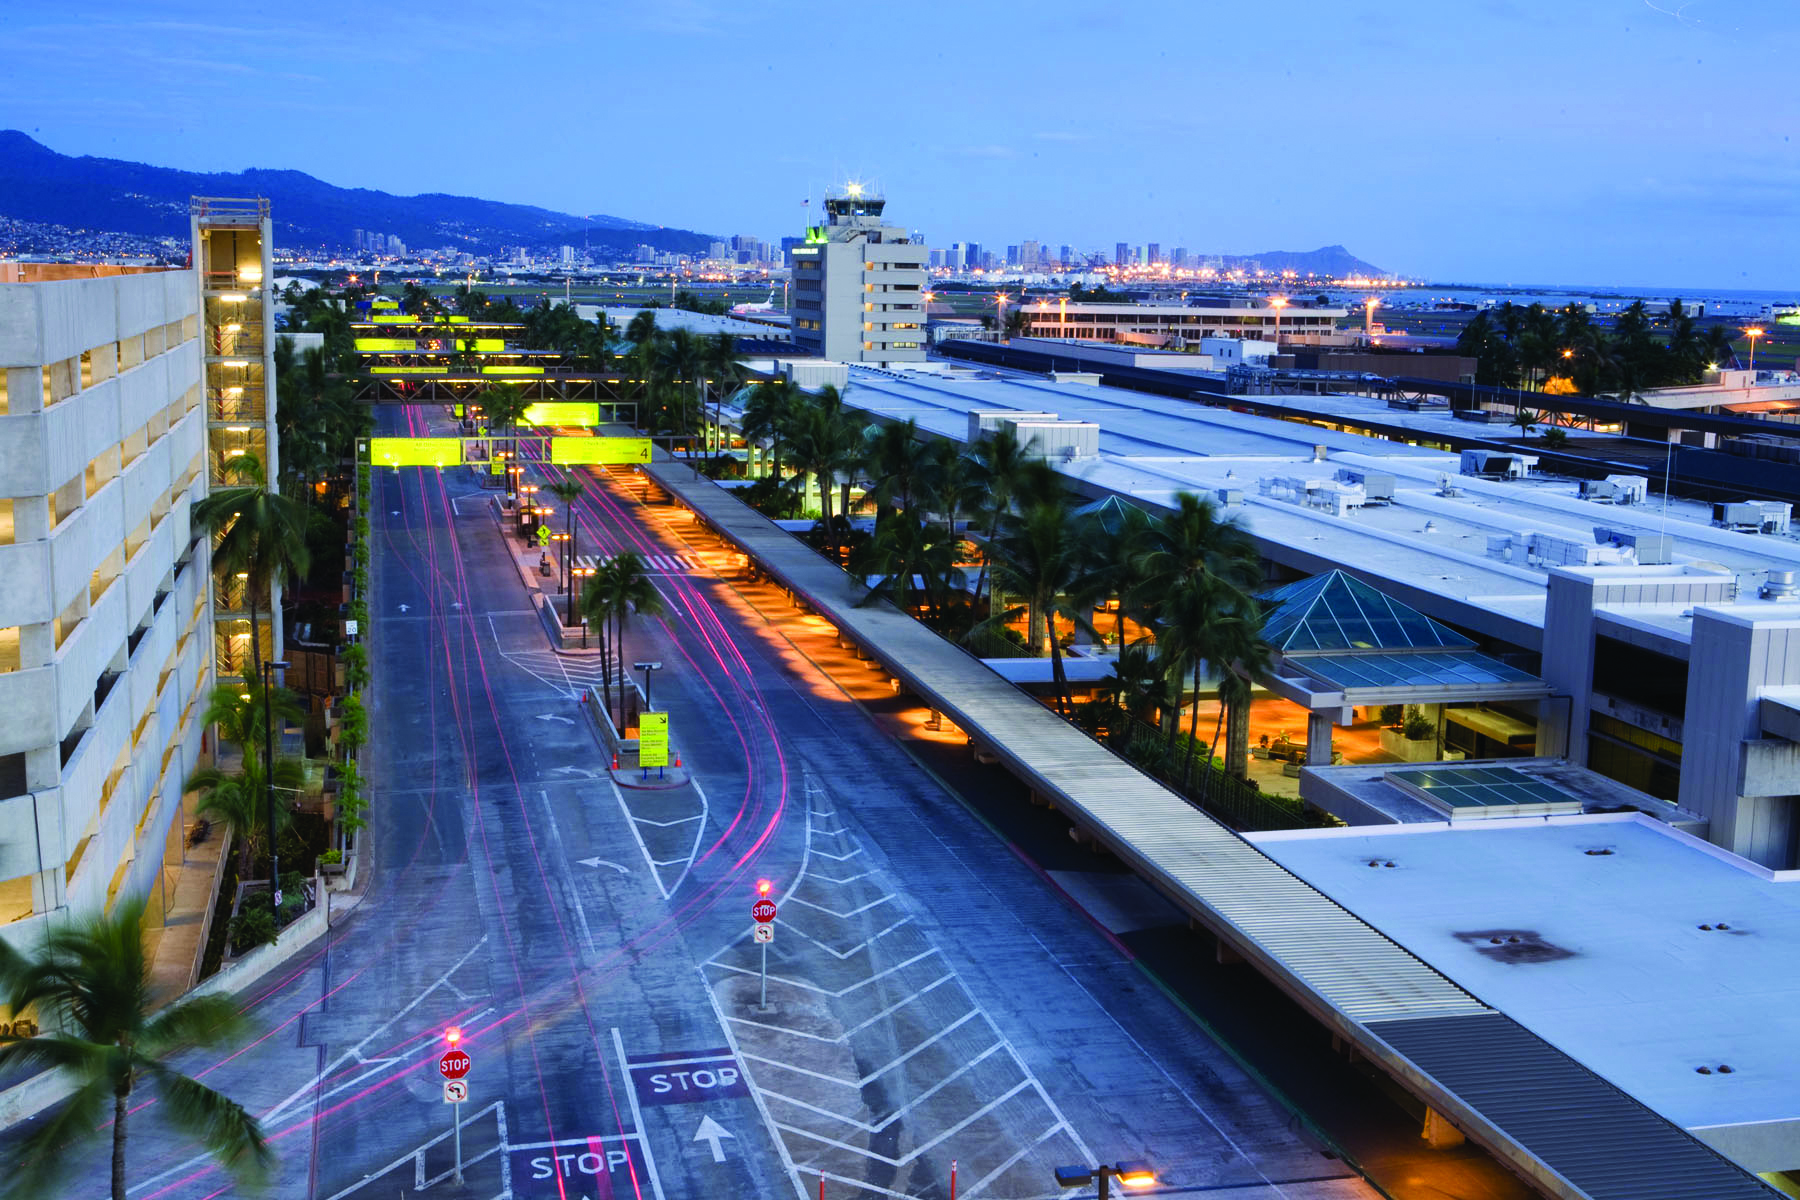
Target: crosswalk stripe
[{"x": 666, "y": 564}]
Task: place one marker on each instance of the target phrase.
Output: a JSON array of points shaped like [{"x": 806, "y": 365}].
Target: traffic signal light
[
  {"x": 453, "y": 1035},
  {"x": 764, "y": 887}
]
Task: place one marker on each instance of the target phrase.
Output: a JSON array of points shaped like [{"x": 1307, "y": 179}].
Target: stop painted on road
[
  {"x": 574, "y": 1168},
  {"x": 687, "y": 1077}
]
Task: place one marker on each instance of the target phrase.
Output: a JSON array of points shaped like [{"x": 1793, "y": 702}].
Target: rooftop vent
[{"x": 1778, "y": 586}]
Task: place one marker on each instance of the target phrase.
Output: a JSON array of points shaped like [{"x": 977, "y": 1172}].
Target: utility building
[{"x": 859, "y": 286}]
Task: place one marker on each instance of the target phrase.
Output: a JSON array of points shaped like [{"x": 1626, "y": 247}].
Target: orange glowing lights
[
  {"x": 764, "y": 887},
  {"x": 453, "y": 1035}
]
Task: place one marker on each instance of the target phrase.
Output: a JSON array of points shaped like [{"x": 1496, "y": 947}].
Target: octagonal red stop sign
[
  {"x": 763, "y": 911},
  {"x": 454, "y": 1064}
]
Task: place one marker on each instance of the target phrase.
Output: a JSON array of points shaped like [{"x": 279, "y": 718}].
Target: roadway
[{"x": 935, "y": 1003}]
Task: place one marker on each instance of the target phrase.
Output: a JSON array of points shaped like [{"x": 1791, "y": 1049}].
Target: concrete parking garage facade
[{"x": 105, "y": 625}]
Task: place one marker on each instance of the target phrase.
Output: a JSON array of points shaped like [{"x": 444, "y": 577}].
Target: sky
[{"x": 1629, "y": 142}]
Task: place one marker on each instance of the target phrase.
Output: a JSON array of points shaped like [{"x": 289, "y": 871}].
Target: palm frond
[{"x": 220, "y": 1123}]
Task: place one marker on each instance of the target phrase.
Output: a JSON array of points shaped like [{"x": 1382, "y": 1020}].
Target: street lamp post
[
  {"x": 1131, "y": 1174},
  {"x": 1369, "y": 307},
  {"x": 646, "y": 668},
  {"x": 582, "y": 574},
  {"x": 268, "y": 682},
  {"x": 1278, "y": 303},
  {"x": 1753, "y": 333}
]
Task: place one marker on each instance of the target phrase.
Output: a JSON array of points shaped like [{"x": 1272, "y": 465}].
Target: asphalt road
[{"x": 934, "y": 1005}]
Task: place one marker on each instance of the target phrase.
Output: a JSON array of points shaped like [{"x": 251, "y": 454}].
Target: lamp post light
[
  {"x": 1753, "y": 333},
  {"x": 1135, "y": 1174},
  {"x": 268, "y": 682},
  {"x": 1369, "y": 307},
  {"x": 1278, "y": 303},
  {"x": 646, "y": 668},
  {"x": 582, "y": 574}
]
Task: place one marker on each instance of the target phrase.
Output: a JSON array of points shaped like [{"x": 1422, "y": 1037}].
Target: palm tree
[
  {"x": 236, "y": 710},
  {"x": 725, "y": 368},
  {"x": 680, "y": 359},
  {"x": 261, "y": 537},
  {"x": 1038, "y": 556},
  {"x": 93, "y": 977},
  {"x": 897, "y": 459},
  {"x": 999, "y": 462},
  {"x": 617, "y": 590},
  {"x": 1112, "y": 557},
  {"x": 504, "y": 407},
  {"x": 1716, "y": 347},
  {"x": 238, "y": 801},
  {"x": 568, "y": 489},
  {"x": 904, "y": 547},
  {"x": 823, "y": 441},
  {"x": 767, "y": 411}
]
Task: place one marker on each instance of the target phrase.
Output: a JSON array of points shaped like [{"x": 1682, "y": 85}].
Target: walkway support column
[{"x": 1318, "y": 739}]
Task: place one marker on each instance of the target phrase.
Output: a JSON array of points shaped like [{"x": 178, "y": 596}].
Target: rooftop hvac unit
[
  {"x": 1229, "y": 497},
  {"x": 1779, "y": 585},
  {"x": 1616, "y": 489},
  {"x": 1493, "y": 464},
  {"x": 1377, "y": 486},
  {"x": 1753, "y": 516},
  {"x": 1652, "y": 549},
  {"x": 983, "y": 421}
]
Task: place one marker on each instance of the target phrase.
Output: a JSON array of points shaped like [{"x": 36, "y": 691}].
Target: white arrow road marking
[
  {"x": 582, "y": 771},
  {"x": 601, "y": 862},
  {"x": 404, "y": 607},
  {"x": 555, "y": 717},
  {"x": 711, "y": 1131}
]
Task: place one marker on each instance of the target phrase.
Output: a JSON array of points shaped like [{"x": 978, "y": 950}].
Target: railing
[{"x": 222, "y": 210}]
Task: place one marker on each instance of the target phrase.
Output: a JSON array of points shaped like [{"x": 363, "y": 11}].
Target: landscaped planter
[{"x": 1396, "y": 743}]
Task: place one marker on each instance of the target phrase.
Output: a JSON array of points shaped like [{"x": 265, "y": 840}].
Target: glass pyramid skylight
[{"x": 1336, "y": 611}]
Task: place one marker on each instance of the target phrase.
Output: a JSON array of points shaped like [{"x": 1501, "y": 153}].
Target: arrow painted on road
[
  {"x": 582, "y": 771},
  {"x": 404, "y": 607},
  {"x": 554, "y": 717},
  {"x": 601, "y": 862},
  {"x": 711, "y": 1131}
]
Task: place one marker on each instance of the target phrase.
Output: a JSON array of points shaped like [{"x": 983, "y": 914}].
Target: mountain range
[
  {"x": 1334, "y": 261},
  {"x": 108, "y": 194}
]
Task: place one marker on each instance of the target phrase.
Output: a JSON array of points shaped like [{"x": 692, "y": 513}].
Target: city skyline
[{"x": 1628, "y": 142}]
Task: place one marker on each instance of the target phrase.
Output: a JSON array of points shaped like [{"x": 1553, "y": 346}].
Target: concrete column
[
  {"x": 1318, "y": 739},
  {"x": 37, "y": 645}
]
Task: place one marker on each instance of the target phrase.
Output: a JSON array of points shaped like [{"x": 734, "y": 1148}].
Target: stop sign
[
  {"x": 763, "y": 911},
  {"x": 454, "y": 1064}
]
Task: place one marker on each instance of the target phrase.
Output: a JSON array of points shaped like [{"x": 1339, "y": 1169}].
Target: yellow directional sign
[
  {"x": 562, "y": 412},
  {"x": 653, "y": 739},
  {"x": 415, "y": 452},
  {"x": 599, "y": 451},
  {"x": 508, "y": 369}
]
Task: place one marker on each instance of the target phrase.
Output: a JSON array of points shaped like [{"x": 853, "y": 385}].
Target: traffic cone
[
  {"x": 678, "y": 760},
  {"x": 615, "y": 765}
]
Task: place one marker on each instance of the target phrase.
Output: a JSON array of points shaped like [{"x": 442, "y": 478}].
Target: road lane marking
[
  {"x": 845, "y": 916},
  {"x": 637, "y": 1114},
  {"x": 559, "y": 855},
  {"x": 631, "y": 823}
]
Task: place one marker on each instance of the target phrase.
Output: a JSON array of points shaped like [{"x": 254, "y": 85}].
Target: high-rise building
[
  {"x": 105, "y": 630},
  {"x": 232, "y": 255},
  {"x": 1030, "y": 254},
  {"x": 974, "y": 255},
  {"x": 1121, "y": 254},
  {"x": 859, "y": 286},
  {"x": 1152, "y": 254}
]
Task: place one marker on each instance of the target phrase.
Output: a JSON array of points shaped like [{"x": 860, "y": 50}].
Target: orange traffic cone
[
  {"x": 615, "y": 765},
  {"x": 678, "y": 760}
]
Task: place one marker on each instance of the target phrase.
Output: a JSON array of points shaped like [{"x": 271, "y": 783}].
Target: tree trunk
[
  {"x": 1061, "y": 683},
  {"x": 118, "y": 1156},
  {"x": 1237, "y": 737}
]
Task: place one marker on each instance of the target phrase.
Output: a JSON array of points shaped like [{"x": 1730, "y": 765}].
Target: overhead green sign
[
  {"x": 653, "y": 739},
  {"x": 415, "y": 452},
  {"x": 599, "y": 451},
  {"x": 562, "y": 412}
]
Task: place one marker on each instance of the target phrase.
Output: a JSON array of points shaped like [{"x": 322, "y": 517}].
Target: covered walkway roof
[{"x": 1352, "y": 977}]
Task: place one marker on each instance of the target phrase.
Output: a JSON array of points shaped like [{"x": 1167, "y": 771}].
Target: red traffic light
[
  {"x": 453, "y": 1035},
  {"x": 764, "y": 887}
]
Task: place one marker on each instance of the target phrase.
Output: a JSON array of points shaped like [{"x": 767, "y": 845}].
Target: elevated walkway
[{"x": 1363, "y": 986}]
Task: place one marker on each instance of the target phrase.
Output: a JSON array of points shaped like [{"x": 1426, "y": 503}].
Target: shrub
[
  {"x": 1392, "y": 714},
  {"x": 1419, "y": 727},
  {"x": 253, "y": 926},
  {"x": 355, "y": 730},
  {"x": 356, "y": 665},
  {"x": 331, "y": 857}
]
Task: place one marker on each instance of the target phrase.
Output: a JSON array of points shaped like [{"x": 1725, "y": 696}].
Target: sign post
[
  {"x": 453, "y": 1065},
  {"x": 763, "y": 913},
  {"x": 653, "y": 742}
]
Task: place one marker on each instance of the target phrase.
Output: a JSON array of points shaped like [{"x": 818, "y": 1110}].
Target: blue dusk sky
[{"x": 1645, "y": 142}]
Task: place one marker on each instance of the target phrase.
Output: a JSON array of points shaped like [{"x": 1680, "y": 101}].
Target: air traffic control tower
[{"x": 859, "y": 286}]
